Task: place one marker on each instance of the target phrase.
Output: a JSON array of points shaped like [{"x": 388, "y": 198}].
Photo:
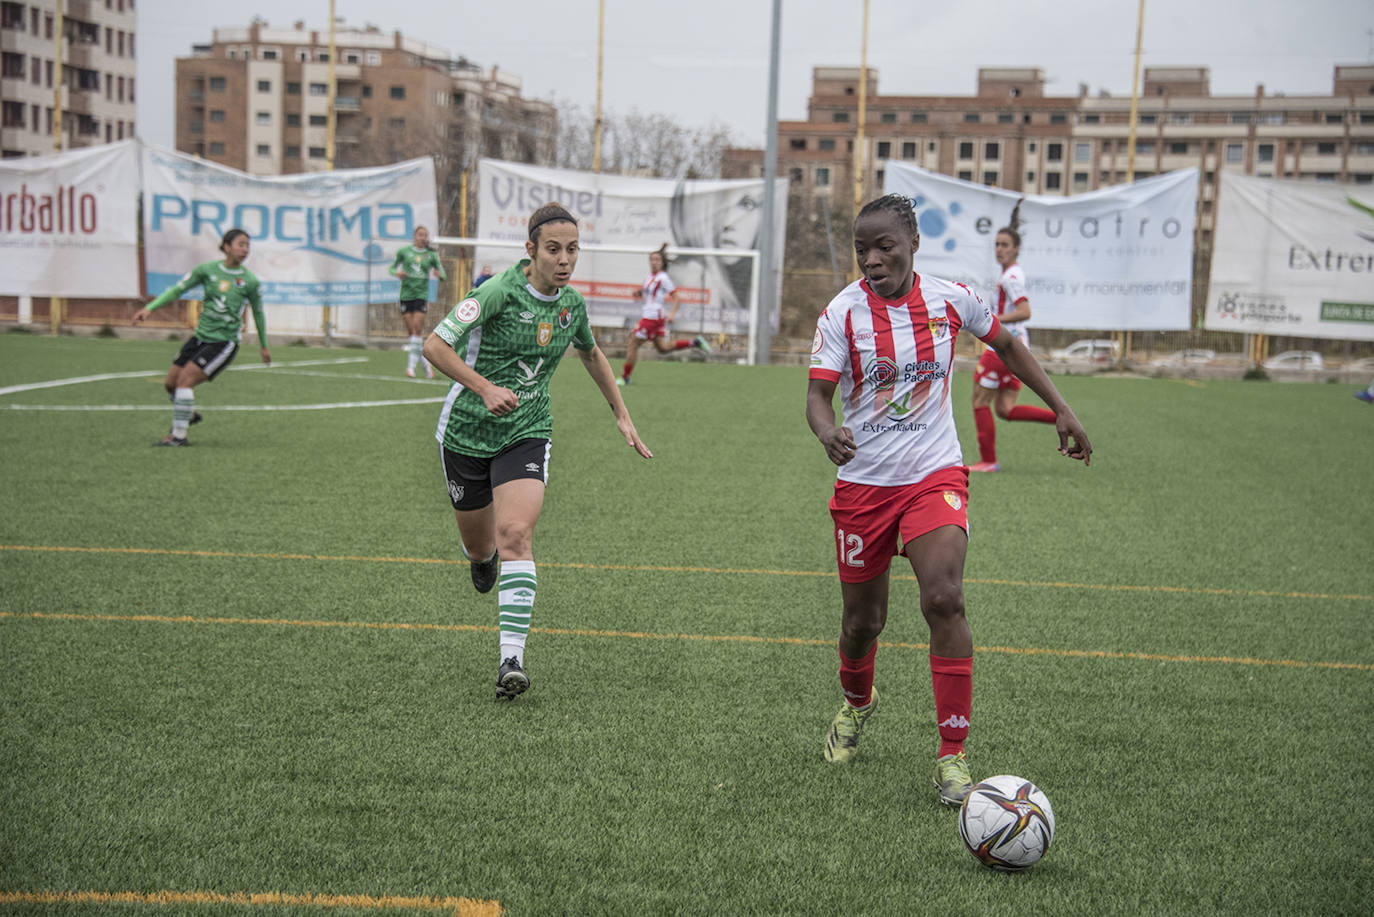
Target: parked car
[
  {"x": 1101, "y": 350},
  {"x": 1294, "y": 359},
  {"x": 1190, "y": 357}
]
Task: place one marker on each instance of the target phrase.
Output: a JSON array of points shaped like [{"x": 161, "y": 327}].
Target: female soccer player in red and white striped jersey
[{"x": 887, "y": 342}]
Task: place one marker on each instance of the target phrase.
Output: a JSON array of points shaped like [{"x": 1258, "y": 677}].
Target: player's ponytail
[
  {"x": 1013, "y": 226},
  {"x": 662, "y": 253}
]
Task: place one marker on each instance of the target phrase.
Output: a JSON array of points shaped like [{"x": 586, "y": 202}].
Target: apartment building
[
  {"x": 257, "y": 99},
  {"x": 94, "y": 88}
]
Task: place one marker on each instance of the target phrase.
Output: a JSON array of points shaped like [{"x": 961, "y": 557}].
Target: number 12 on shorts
[{"x": 851, "y": 546}]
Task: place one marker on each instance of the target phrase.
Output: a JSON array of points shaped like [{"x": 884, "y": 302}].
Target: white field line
[
  {"x": 327, "y": 406},
  {"x": 76, "y": 380}
]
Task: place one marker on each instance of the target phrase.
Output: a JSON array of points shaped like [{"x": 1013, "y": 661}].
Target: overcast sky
[{"x": 704, "y": 61}]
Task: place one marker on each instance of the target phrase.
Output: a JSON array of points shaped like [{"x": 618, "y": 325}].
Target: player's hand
[
  {"x": 1069, "y": 428},
  {"x": 266, "y": 357},
  {"x": 627, "y": 430},
  {"x": 139, "y": 316},
  {"x": 500, "y": 401},
  {"x": 839, "y": 445}
]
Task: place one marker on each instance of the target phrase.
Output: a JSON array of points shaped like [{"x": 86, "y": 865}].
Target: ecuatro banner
[
  {"x": 1293, "y": 258},
  {"x": 69, "y": 223},
  {"x": 318, "y": 239},
  {"x": 1119, "y": 258},
  {"x": 725, "y": 216}
]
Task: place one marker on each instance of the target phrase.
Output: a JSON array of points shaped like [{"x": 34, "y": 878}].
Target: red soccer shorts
[
  {"x": 872, "y": 523},
  {"x": 650, "y": 328},
  {"x": 993, "y": 373}
]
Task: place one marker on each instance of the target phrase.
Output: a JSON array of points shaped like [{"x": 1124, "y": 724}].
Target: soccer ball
[{"x": 1007, "y": 823}]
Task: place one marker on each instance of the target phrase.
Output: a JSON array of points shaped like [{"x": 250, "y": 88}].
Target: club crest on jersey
[
  {"x": 938, "y": 326},
  {"x": 545, "y": 333},
  {"x": 468, "y": 310},
  {"x": 953, "y": 500},
  {"x": 224, "y": 286},
  {"x": 882, "y": 372},
  {"x": 564, "y": 318}
]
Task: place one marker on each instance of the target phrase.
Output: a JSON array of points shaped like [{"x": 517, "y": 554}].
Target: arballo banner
[
  {"x": 318, "y": 239},
  {"x": 642, "y": 213},
  {"x": 1116, "y": 259},
  {"x": 1293, "y": 258},
  {"x": 69, "y": 223}
]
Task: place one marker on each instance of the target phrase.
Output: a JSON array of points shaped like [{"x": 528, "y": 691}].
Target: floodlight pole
[
  {"x": 600, "y": 46},
  {"x": 1130, "y": 148},
  {"x": 859, "y": 150},
  {"x": 329, "y": 136},
  {"x": 768, "y": 287}
]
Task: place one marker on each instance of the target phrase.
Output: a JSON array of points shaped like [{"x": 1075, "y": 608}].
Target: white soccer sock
[
  {"x": 183, "y": 406},
  {"x": 516, "y": 600},
  {"x": 413, "y": 351}
]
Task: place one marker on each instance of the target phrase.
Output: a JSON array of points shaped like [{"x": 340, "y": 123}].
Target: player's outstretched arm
[
  {"x": 820, "y": 415},
  {"x": 599, "y": 368},
  {"x": 1073, "y": 441}
]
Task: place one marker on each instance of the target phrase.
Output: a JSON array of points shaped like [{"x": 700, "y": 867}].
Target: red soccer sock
[
  {"x": 1026, "y": 412},
  {"x": 629, "y": 368},
  {"x": 987, "y": 434},
  {"x": 953, "y": 683},
  {"x": 682, "y": 345},
  {"x": 856, "y": 678}
]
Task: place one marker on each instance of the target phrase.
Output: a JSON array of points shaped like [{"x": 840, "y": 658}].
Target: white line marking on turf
[
  {"x": 54, "y": 383},
  {"x": 225, "y": 407}
]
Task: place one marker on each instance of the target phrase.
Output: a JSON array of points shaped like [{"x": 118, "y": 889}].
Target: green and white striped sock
[
  {"x": 516, "y": 598},
  {"x": 183, "y": 406}
]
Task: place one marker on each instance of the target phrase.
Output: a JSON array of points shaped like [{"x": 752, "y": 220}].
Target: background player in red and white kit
[
  {"x": 887, "y": 341},
  {"x": 658, "y": 290},
  {"x": 993, "y": 383}
]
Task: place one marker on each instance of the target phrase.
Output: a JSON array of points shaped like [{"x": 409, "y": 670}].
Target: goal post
[{"x": 718, "y": 287}]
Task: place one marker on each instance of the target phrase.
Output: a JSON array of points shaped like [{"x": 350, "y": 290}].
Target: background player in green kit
[
  {"x": 415, "y": 264},
  {"x": 501, "y": 345},
  {"x": 228, "y": 288}
]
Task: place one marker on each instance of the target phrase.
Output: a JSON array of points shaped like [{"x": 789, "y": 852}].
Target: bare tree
[{"x": 639, "y": 143}]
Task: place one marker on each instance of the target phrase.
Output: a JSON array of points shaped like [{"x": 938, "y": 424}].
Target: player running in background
[
  {"x": 993, "y": 384},
  {"x": 887, "y": 340},
  {"x": 658, "y": 289},
  {"x": 228, "y": 288},
  {"x": 415, "y": 264},
  {"x": 502, "y": 345}
]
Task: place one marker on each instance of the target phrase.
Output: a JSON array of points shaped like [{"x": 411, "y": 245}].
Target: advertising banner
[
  {"x": 1293, "y": 258},
  {"x": 1116, "y": 259},
  {"x": 69, "y": 223},
  {"x": 319, "y": 239},
  {"x": 640, "y": 213}
]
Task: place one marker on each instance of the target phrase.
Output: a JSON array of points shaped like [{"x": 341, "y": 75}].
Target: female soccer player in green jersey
[
  {"x": 501, "y": 346},
  {"x": 415, "y": 264},
  {"x": 228, "y": 287}
]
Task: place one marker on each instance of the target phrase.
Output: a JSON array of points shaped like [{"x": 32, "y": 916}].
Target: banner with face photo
[
  {"x": 1293, "y": 258},
  {"x": 641, "y": 214},
  {"x": 1116, "y": 259},
  {"x": 318, "y": 239},
  {"x": 69, "y": 223}
]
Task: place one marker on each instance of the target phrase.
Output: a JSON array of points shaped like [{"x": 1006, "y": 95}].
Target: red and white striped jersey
[
  {"x": 894, "y": 362},
  {"x": 1011, "y": 289},
  {"x": 657, "y": 287}
]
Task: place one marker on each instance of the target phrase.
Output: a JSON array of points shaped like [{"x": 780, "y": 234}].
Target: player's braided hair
[
  {"x": 899, "y": 205},
  {"x": 549, "y": 213},
  {"x": 1011, "y": 228}
]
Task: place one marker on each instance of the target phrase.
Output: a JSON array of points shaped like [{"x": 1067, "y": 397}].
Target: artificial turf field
[{"x": 256, "y": 667}]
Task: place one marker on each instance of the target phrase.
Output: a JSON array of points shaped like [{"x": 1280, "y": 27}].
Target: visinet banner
[{"x": 1293, "y": 258}]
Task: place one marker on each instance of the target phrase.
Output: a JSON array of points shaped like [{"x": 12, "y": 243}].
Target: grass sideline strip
[
  {"x": 652, "y": 568},
  {"x": 460, "y": 907},
  {"x": 703, "y": 638}
]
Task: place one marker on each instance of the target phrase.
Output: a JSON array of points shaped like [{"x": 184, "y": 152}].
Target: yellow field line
[
  {"x": 654, "y": 568},
  {"x": 648, "y": 635},
  {"x": 461, "y": 907}
]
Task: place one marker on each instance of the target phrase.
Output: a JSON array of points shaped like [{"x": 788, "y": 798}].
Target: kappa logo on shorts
[
  {"x": 468, "y": 310},
  {"x": 953, "y": 499}
]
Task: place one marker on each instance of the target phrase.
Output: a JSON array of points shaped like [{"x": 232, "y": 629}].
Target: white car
[
  {"x": 1102, "y": 350},
  {"x": 1294, "y": 359},
  {"x": 1190, "y": 357}
]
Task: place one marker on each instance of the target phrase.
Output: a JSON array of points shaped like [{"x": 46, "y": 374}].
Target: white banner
[
  {"x": 1115, "y": 259},
  {"x": 319, "y": 239},
  {"x": 644, "y": 213},
  {"x": 1293, "y": 258},
  {"x": 69, "y": 223}
]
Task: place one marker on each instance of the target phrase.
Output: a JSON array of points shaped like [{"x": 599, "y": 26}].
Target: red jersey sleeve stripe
[
  {"x": 829, "y": 375},
  {"x": 996, "y": 329}
]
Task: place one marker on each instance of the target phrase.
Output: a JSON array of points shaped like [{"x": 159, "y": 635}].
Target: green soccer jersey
[
  {"x": 416, "y": 264},
  {"x": 226, "y": 292},
  {"x": 514, "y": 337}
]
